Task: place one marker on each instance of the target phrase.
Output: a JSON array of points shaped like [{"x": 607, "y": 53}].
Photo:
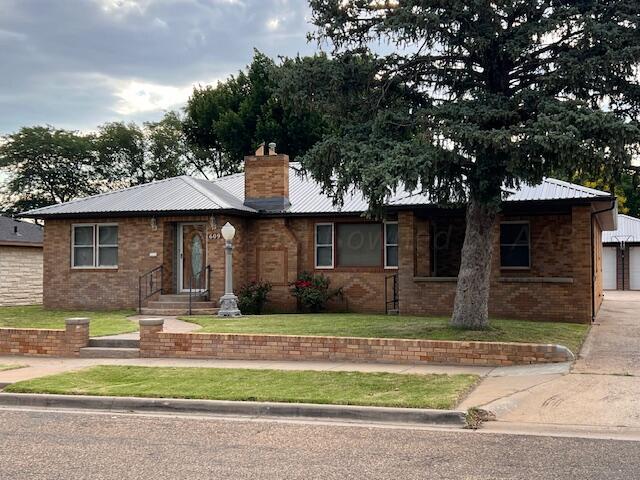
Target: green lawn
[
  {"x": 386, "y": 326},
  {"x": 10, "y": 367},
  {"x": 34, "y": 316},
  {"x": 341, "y": 388}
]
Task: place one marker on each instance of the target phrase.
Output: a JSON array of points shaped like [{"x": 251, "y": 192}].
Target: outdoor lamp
[
  {"x": 228, "y": 232},
  {"x": 228, "y": 302}
]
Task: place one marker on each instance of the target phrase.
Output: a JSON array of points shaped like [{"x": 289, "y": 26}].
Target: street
[{"x": 84, "y": 445}]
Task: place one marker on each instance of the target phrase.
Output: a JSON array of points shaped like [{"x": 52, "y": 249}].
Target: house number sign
[{"x": 214, "y": 236}]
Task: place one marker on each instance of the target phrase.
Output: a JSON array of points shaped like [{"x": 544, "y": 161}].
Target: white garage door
[
  {"x": 609, "y": 268},
  {"x": 634, "y": 268}
]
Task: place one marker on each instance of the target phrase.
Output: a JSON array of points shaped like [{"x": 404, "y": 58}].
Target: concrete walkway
[
  {"x": 171, "y": 324},
  {"x": 602, "y": 389}
]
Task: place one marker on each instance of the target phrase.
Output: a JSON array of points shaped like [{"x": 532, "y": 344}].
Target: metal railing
[
  {"x": 206, "y": 293},
  {"x": 393, "y": 301},
  {"x": 149, "y": 284}
]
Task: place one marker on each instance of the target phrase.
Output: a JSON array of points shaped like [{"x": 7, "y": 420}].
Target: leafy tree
[
  {"x": 236, "y": 115},
  {"x": 121, "y": 151},
  {"x": 472, "y": 97},
  {"x": 47, "y": 166}
]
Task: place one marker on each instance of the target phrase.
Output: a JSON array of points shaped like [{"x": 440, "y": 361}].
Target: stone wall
[
  {"x": 56, "y": 343},
  {"x": 156, "y": 343},
  {"x": 20, "y": 275}
]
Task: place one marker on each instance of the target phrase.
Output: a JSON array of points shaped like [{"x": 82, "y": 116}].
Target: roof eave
[{"x": 145, "y": 213}]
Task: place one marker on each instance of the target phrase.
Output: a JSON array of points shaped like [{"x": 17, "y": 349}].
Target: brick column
[
  {"x": 76, "y": 335},
  {"x": 581, "y": 246},
  {"x": 149, "y": 339},
  {"x": 406, "y": 259}
]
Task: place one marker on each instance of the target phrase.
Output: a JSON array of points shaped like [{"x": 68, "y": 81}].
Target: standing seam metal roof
[
  {"x": 628, "y": 230},
  {"x": 183, "y": 194}
]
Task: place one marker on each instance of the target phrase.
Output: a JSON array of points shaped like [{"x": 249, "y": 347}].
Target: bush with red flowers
[
  {"x": 252, "y": 297},
  {"x": 313, "y": 292}
]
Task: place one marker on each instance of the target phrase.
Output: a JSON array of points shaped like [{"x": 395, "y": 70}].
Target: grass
[
  {"x": 34, "y": 316},
  {"x": 10, "y": 367},
  {"x": 570, "y": 335},
  {"x": 340, "y": 388}
]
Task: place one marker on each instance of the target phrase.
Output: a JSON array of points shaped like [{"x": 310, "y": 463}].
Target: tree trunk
[{"x": 471, "y": 307}]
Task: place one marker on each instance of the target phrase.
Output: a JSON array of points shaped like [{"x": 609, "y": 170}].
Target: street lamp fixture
[{"x": 228, "y": 302}]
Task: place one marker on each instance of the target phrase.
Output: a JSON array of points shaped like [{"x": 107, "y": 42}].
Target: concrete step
[
  {"x": 102, "y": 352},
  {"x": 114, "y": 343},
  {"x": 178, "y": 311},
  {"x": 181, "y": 297},
  {"x": 181, "y": 304}
]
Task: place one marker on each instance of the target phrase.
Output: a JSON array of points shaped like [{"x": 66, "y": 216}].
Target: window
[
  {"x": 94, "y": 246},
  {"x": 514, "y": 245},
  {"x": 359, "y": 244},
  {"x": 324, "y": 245},
  {"x": 391, "y": 245}
]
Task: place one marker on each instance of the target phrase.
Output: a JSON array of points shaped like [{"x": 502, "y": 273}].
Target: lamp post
[{"x": 228, "y": 302}]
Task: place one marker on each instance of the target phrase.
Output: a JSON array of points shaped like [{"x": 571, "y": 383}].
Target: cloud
[{"x": 79, "y": 63}]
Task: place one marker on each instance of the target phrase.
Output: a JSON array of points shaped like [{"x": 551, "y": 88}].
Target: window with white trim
[
  {"x": 324, "y": 245},
  {"x": 515, "y": 245},
  {"x": 94, "y": 245},
  {"x": 391, "y": 244}
]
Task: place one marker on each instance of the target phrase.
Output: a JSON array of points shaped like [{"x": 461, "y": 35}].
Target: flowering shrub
[
  {"x": 253, "y": 296},
  {"x": 313, "y": 292}
]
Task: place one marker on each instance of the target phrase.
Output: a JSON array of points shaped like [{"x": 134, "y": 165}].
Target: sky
[{"x": 79, "y": 63}]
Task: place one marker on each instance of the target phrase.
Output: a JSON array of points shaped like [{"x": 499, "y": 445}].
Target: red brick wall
[
  {"x": 155, "y": 343},
  {"x": 557, "y": 287},
  {"x": 31, "y": 341}
]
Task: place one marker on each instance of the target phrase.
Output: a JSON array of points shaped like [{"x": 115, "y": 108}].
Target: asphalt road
[{"x": 52, "y": 445}]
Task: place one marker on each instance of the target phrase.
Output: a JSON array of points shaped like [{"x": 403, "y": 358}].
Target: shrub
[
  {"x": 313, "y": 292},
  {"x": 253, "y": 296}
]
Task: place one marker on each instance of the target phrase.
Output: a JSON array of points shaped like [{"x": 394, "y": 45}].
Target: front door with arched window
[{"x": 192, "y": 256}]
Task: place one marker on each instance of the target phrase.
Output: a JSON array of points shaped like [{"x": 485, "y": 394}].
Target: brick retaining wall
[
  {"x": 156, "y": 343},
  {"x": 55, "y": 343}
]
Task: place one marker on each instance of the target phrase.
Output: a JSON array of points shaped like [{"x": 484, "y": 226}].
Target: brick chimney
[{"x": 266, "y": 180}]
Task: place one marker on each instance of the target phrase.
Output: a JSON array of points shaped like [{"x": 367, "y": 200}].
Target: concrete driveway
[{"x": 601, "y": 390}]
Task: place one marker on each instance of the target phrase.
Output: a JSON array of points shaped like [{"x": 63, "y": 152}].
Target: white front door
[
  {"x": 192, "y": 257},
  {"x": 609, "y": 271},
  {"x": 634, "y": 268}
]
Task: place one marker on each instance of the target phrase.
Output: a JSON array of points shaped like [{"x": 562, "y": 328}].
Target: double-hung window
[
  {"x": 391, "y": 245},
  {"x": 515, "y": 245},
  {"x": 94, "y": 246},
  {"x": 324, "y": 245}
]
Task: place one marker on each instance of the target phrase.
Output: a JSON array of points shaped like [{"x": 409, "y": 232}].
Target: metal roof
[
  {"x": 15, "y": 232},
  {"x": 184, "y": 194},
  {"x": 628, "y": 230},
  {"x": 177, "y": 194}
]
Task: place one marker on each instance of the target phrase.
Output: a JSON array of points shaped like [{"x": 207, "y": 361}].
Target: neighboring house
[
  {"x": 20, "y": 262},
  {"x": 547, "y": 262},
  {"x": 621, "y": 255}
]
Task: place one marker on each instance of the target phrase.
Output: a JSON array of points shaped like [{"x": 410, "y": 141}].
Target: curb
[{"x": 450, "y": 418}]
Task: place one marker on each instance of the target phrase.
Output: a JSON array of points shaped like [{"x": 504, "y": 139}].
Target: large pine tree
[{"x": 469, "y": 97}]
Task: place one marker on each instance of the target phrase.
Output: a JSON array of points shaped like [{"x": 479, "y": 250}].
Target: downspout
[{"x": 593, "y": 264}]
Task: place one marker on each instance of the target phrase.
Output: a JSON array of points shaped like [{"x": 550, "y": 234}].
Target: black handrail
[
  {"x": 204, "y": 293},
  {"x": 149, "y": 284},
  {"x": 394, "y": 302}
]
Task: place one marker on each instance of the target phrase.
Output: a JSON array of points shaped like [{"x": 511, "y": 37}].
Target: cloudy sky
[{"x": 79, "y": 63}]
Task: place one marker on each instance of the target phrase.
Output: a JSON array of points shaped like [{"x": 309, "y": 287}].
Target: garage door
[
  {"x": 634, "y": 268},
  {"x": 609, "y": 268}
]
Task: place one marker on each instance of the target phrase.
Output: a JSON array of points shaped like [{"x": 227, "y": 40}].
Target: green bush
[
  {"x": 253, "y": 296},
  {"x": 313, "y": 292}
]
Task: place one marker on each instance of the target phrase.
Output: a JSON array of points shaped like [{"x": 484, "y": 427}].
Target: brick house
[
  {"x": 547, "y": 264},
  {"x": 20, "y": 262},
  {"x": 621, "y": 255}
]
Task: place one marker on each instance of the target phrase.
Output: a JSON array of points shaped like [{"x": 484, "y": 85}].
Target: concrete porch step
[
  {"x": 108, "y": 352},
  {"x": 181, "y": 297},
  {"x": 114, "y": 343},
  {"x": 178, "y": 311},
  {"x": 180, "y": 305}
]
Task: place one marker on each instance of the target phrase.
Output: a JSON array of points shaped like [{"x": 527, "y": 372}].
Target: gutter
[{"x": 614, "y": 202}]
